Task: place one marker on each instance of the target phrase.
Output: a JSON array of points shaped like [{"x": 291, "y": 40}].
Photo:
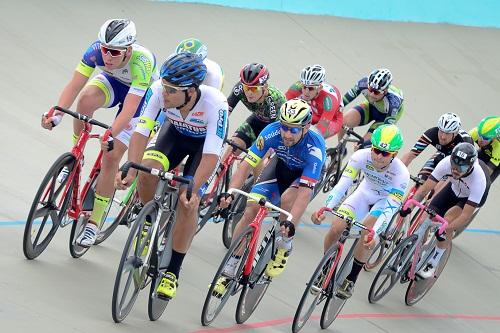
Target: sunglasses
[
  {"x": 171, "y": 89},
  {"x": 252, "y": 89},
  {"x": 310, "y": 87},
  {"x": 484, "y": 138},
  {"x": 374, "y": 91},
  {"x": 381, "y": 152},
  {"x": 293, "y": 130},
  {"x": 112, "y": 52},
  {"x": 461, "y": 169}
]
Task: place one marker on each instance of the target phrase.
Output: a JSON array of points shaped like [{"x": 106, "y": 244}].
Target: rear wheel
[{"x": 49, "y": 207}]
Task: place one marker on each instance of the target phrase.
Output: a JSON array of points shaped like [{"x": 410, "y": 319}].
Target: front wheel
[
  {"x": 235, "y": 214},
  {"x": 49, "y": 207}
]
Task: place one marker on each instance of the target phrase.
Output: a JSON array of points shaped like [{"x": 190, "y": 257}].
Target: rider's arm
[
  {"x": 354, "y": 92},
  {"x": 346, "y": 180},
  {"x": 235, "y": 96},
  {"x": 142, "y": 69},
  {"x": 422, "y": 143},
  {"x": 332, "y": 118},
  {"x": 294, "y": 91}
]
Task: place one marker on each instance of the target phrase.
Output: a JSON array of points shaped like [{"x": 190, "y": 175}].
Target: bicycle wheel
[
  {"x": 132, "y": 269},
  {"x": 331, "y": 163},
  {"x": 51, "y": 202},
  {"x": 253, "y": 292},
  {"x": 208, "y": 204},
  {"x": 393, "y": 268},
  {"x": 235, "y": 214},
  {"x": 163, "y": 253},
  {"x": 214, "y": 302},
  {"x": 418, "y": 287},
  {"x": 316, "y": 291}
]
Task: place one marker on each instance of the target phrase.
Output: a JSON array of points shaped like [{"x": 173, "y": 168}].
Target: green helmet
[
  {"x": 192, "y": 45},
  {"x": 295, "y": 112},
  {"x": 387, "y": 138},
  {"x": 489, "y": 128}
]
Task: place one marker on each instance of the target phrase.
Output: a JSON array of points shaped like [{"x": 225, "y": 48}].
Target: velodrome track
[{"x": 439, "y": 67}]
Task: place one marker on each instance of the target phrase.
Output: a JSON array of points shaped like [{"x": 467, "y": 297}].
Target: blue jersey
[{"x": 307, "y": 155}]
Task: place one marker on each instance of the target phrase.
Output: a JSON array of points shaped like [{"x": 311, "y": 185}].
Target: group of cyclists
[{"x": 285, "y": 136}]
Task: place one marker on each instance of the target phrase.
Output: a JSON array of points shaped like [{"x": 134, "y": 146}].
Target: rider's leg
[
  {"x": 91, "y": 98},
  {"x": 352, "y": 118}
]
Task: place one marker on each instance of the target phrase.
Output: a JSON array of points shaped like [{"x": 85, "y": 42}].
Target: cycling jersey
[
  {"x": 266, "y": 111},
  {"x": 215, "y": 75},
  {"x": 326, "y": 107},
  {"x": 472, "y": 186},
  {"x": 138, "y": 73},
  {"x": 492, "y": 150},
  {"x": 430, "y": 137},
  {"x": 383, "y": 190},
  {"x": 307, "y": 155},
  {"x": 207, "y": 119}
]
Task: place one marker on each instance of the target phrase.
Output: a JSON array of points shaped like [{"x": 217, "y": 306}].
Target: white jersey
[
  {"x": 207, "y": 119},
  {"x": 215, "y": 75},
  {"x": 472, "y": 187},
  {"x": 382, "y": 189}
]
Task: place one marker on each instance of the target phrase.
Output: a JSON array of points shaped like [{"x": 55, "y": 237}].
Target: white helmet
[
  {"x": 449, "y": 123},
  {"x": 313, "y": 75},
  {"x": 380, "y": 79},
  {"x": 117, "y": 33}
]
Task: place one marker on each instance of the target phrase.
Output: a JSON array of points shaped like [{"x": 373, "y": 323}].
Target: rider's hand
[
  {"x": 225, "y": 200},
  {"x": 368, "y": 243},
  {"x": 123, "y": 184},
  {"x": 108, "y": 144},
  {"x": 405, "y": 212},
  {"x": 50, "y": 122},
  {"x": 316, "y": 218},
  {"x": 189, "y": 204}
]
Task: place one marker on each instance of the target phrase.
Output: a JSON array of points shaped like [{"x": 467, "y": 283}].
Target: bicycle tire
[
  {"x": 235, "y": 214},
  {"x": 133, "y": 263},
  {"x": 393, "y": 268},
  {"x": 418, "y": 287},
  {"x": 163, "y": 252},
  {"x": 332, "y": 166},
  {"x": 77, "y": 228},
  {"x": 231, "y": 288},
  {"x": 32, "y": 249},
  {"x": 315, "y": 289}
]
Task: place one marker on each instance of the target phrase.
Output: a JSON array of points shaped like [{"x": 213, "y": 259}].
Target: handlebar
[
  {"x": 235, "y": 146},
  {"x": 263, "y": 202},
  {"x": 419, "y": 181},
  {"x": 164, "y": 175},
  {"x": 350, "y": 131},
  {"x": 349, "y": 220},
  {"x": 432, "y": 213},
  {"x": 78, "y": 116}
]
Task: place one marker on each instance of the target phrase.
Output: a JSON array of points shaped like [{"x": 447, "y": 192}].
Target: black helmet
[
  {"x": 254, "y": 74},
  {"x": 463, "y": 157}
]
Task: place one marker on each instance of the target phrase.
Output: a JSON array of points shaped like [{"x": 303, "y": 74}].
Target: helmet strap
[{"x": 187, "y": 98}]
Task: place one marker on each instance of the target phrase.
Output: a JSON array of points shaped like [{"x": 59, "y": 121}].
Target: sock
[
  {"x": 100, "y": 205},
  {"x": 356, "y": 268},
  {"x": 436, "y": 257},
  {"x": 175, "y": 263},
  {"x": 75, "y": 138}
]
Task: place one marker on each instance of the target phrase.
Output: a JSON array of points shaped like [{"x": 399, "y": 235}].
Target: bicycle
[
  {"x": 334, "y": 158},
  {"x": 62, "y": 201},
  {"x": 148, "y": 249},
  {"x": 327, "y": 279},
  {"x": 219, "y": 183},
  {"x": 250, "y": 277},
  {"x": 397, "y": 229},
  {"x": 409, "y": 256}
]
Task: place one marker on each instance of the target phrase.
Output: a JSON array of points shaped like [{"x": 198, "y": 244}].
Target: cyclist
[
  {"x": 260, "y": 98},
  {"x": 375, "y": 201},
  {"x": 324, "y": 99},
  {"x": 468, "y": 189},
  {"x": 383, "y": 104},
  {"x": 215, "y": 74},
  {"x": 289, "y": 177},
  {"x": 487, "y": 137},
  {"x": 128, "y": 69},
  {"x": 196, "y": 126},
  {"x": 444, "y": 137}
]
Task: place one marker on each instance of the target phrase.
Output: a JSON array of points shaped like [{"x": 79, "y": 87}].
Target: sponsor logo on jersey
[
  {"x": 237, "y": 89},
  {"x": 316, "y": 152},
  {"x": 221, "y": 124},
  {"x": 196, "y": 121},
  {"x": 260, "y": 143},
  {"x": 198, "y": 114},
  {"x": 185, "y": 127},
  {"x": 272, "y": 134}
]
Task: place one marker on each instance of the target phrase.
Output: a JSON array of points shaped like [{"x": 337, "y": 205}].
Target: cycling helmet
[
  {"x": 295, "y": 112},
  {"x": 192, "y": 45},
  {"x": 380, "y": 79},
  {"x": 183, "y": 70},
  {"x": 449, "y": 123},
  {"x": 463, "y": 157},
  {"x": 117, "y": 33},
  {"x": 254, "y": 74},
  {"x": 489, "y": 127},
  {"x": 313, "y": 75},
  {"x": 387, "y": 138}
]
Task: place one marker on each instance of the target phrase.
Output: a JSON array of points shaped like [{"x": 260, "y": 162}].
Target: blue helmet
[{"x": 184, "y": 70}]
